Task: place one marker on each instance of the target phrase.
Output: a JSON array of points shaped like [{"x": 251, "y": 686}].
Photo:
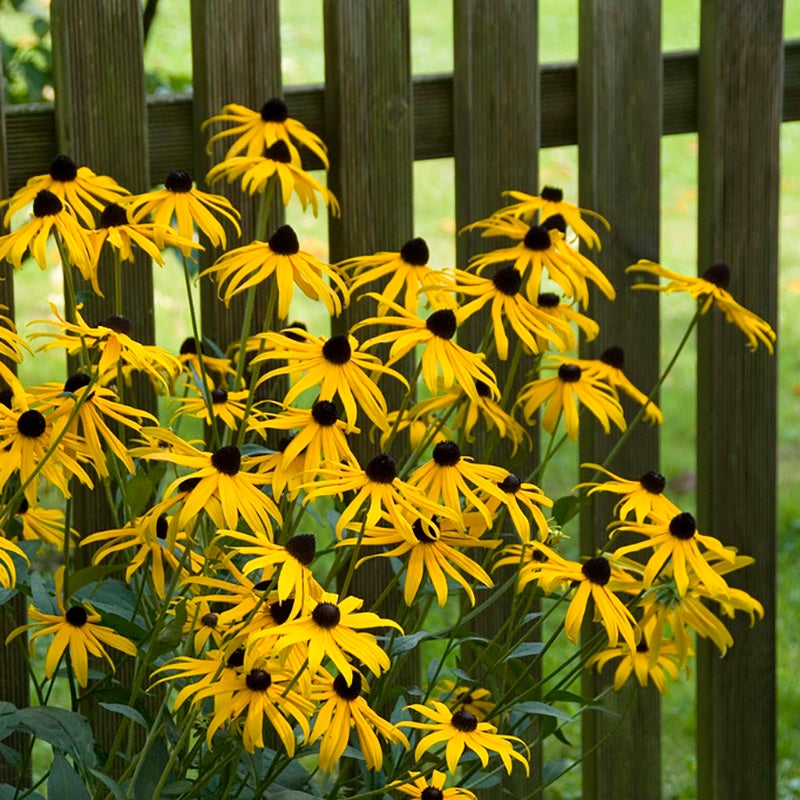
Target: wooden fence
[{"x": 492, "y": 115}]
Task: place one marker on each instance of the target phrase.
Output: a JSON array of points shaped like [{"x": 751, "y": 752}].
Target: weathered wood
[
  {"x": 619, "y": 79},
  {"x": 496, "y": 103},
  {"x": 236, "y": 58},
  {"x": 739, "y": 121}
]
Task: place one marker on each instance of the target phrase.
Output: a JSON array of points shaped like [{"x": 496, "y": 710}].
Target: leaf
[
  {"x": 42, "y": 599},
  {"x": 526, "y": 649},
  {"x": 64, "y": 781},
  {"x": 12, "y": 757},
  {"x": 138, "y": 491},
  {"x": 542, "y": 710},
  {"x": 565, "y": 508},
  {"x": 9, "y": 719},
  {"x": 6, "y": 595},
  {"x": 126, "y": 711},
  {"x": 402, "y": 644},
  {"x": 8, "y": 792},
  {"x": 146, "y": 781},
  {"x": 110, "y": 784},
  {"x": 93, "y": 574},
  {"x": 63, "y": 729},
  {"x": 554, "y": 768}
]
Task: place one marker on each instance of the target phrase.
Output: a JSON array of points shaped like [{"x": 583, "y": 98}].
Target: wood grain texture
[
  {"x": 740, "y": 109},
  {"x": 619, "y": 94}
]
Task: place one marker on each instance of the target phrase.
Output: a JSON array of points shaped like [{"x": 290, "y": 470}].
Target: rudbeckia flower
[
  {"x": 203, "y": 624},
  {"x": 75, "y": 629},
  {"x": 335, "y": 629},
  {"x": 551, "y": 202},
  {"x": 45, "y": 524},
  {"x": 421, "y": 788},
  {"x": 227, "y": 407},
  {"x": 75, "y": 186},
  {"x": 476, "y": 700},
  {"x": 379, "y": 489},
  {"x": 49, "y": 214},
  {"x": 344, "y": 708},
  {"x": 408, "y": 272},
  {"x": 502, "y": 290},
  {"x": 640, "y": 497},
  {"x": 608, "y": 367},
  {"x": 711, "y": 289},
  {"x": 189, "y": 206},
  {"x": 562, "y": 392},
  {"x": 257, "y": 131},
  {"x": 8, "y": 571},
  {"x": 461, "y": 730},
  {"x": 244, "y": 267},
  {"x": 677, "y": 539},
  {"x": 256, "y": 172},
  {"x": 441, "y": 356},
  {"x": 189, "y": 360},
  {"x": 339, "y": 366},
  {"x": 11, "y": 347},
  {"x": 549, "y": 303}
]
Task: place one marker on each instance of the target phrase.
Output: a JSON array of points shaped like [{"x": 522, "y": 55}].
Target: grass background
[{"x": 168, "y": 57}]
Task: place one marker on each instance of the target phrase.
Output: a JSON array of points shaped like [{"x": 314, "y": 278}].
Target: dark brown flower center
[
  {"x": 683, "y": 526},
  {"x": 279, "y": 152},
  {"x": 162, "y": 526},
  {"x": 719, "y": 275},
  {"x": 274, "y": 110},
  {"x": 292, "y": 332},
  {"x": 552, "y": 194},
  {"x": 210, "y": 620},
  {"x": 236, "y": 658},
  {"x": 511, "y": 484},
  {"x": 326, "y": 615},
  {"x": 63, "y": 169},
  {"x": 425, "y": 533},
  {"x": 483, "y": 389},
  {"x": 569, "y": 373},
  {"x": 345, "y": 690},
  {"x": 219, "y": 396},
  {"x": 227, "y": 460},
  {"x": 431, "y": 793},
  {"x": 46, "y": 204},
  {"x": 76, "y": 616},
  {"x": 614, "y": 357},
  {"x": 258, "y": 681},
  {"x": 464, "y": 721},
  {"x": 442, "y": 323},
  {"x": 302, "y": 547},
  {"x": 179, "y": 180},
  {"x": 446, "y": 454},
  {"x": 382, "y": 469},
  {"x": 76, "y": 381},
  {"x": 6, "y": 397},
  {"x": 112, "y": 216},
  {"x": 284, "y": 241},
  {"x": 281, "y": 610},
  {"x": 555, "y": 222},
  {"x": 597, "y": 570},
  {"x": 118, "y": 324},
  {"x": 537, "y": 238},
  {"x": 188, "y": 347},
  {"x": 187, "y": 484},
  {"x": 337, "y": 350},
  {"x": 653, "y": 482},
  {"x": 324, "y": 413},
  {"x": 507, "y": 280},
  {"x": 31, "y": 424},
  {"x": 548, "y": 300},
  {"x": 415, "y": 252}
]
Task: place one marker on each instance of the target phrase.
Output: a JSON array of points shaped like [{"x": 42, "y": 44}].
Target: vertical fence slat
[
  {"x": 619, "y": 129},
  {"x": 496, "y": 146},
  {"x": 236, "y": 58},
  {"x": 739, "y": 123}
]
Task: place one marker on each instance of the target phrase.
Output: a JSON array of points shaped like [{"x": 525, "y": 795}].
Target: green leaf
[
  {"x": 138, "y": 490},
  {"x": 63, "y": 729},
  {"x": 9, "y": 719},
  {"x": 12, "y": 757},
  {"x": 542, "y": 710},
  {"x": 110, "y": 783},
  {"x": 93, "y": 574},
  {"x": 402, "y": 644},
  {"x": 126, "y": 711},
  {"x": 64, "y": 781},
  {"x": 554, "y": 768},
  {"x": 525, "y": 649},
  {"x": 565, "y": 508},
  {"x": 8, "y": 792},
  {"x": 42, "y": 598},
  {"x": 150, "y": 774},
  {"x": 6, "y": 595}
]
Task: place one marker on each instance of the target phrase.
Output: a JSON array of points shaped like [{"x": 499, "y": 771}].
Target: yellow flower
[
  {"x": 227, "y": 407},
  {"x": 711, "y": 289},
  {"x": 550, "y": 305},
  {"x": 561, "y": 393},
  {"x": 462, "y": 730},
  {"x": 257, "y": 131},
  {"x": 475, "y": 700},
  {"x": 344, "y": 708},
  {"x": 72, "y": 185},
  {"x": 189, "y": 206},
  {"x": 422, "y": 788},
  {"x": 282, "y": 257},
  {"x": 45, "y": 524},
  {"x": 8, "y": 571}
]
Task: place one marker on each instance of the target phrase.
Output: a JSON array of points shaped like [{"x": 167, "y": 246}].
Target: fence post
[
  {"x": 236, "y": 58},
  {"x": 496, "y": 146},
  {"x": 619, "y": 130},
  {"x": 741, "y": 72}
]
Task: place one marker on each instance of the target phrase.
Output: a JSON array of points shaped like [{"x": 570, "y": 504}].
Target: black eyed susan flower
[
  {"x": 433, "y": 551},
  {"x": 638, "y": 497},
  {"x": 203, "y": 624},
  {"x": 443, "y": 361},
  {"x": 711, "y": 289},
  {"x": 228, "y": 407},
  {"x": 336, "y": 630},
  {"x": 462, "y": 730},
  {"x": 76, "y": 629},
  {"x": 420, "y": 426},
  {"x": 453, "y": 479},
  {"x": 550, "y": 203},
  {"x": 43, "y": 524},
  {"x": 343, "y": 708},
  {"x": 12, "y": 346},
  {"x": 502, "y": 290},
  {"x": 433, "y": 788},
  {"x": 8, "y": 570},
  {"x": 239, "y": 269},
  {"x": 256, "y": 131},
  {"x": 49, "y": 214},
  {"x": 338, "y": 366},
  {"x": 476, "y": 700},
  {"x": 189, "y": 359},
  {"x": 256, "y": 171},
  {"x": 549, "y": 303},
  {"x": 562, "y": 392},
  {"x": 676, "y": 539},
  {"x": 189, "y": 207},
  {"x": 378, "y": 488},
  {"x": 407, "y": 271},
  {"x": 221, "y": 475},
  {"x": 597, "y": 578},
  {"x": 72, "y": 185}
]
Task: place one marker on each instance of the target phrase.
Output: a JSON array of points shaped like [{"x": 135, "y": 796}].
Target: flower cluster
[{"x": 225, "y": 579}]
